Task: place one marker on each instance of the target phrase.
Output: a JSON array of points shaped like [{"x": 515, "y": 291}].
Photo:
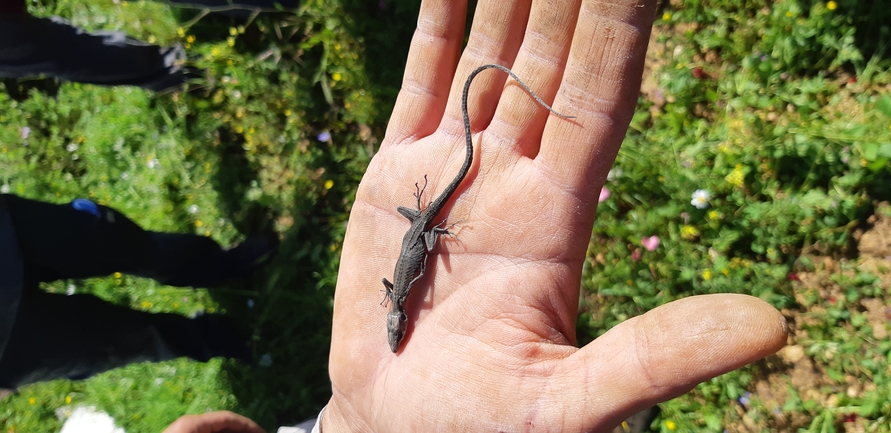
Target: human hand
[
  {"x": 490, "y": 342},
  {"x": 214, "y": 422}
]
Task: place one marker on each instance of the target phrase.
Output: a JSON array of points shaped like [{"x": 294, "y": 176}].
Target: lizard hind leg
[{"x": 430, "y": 237}]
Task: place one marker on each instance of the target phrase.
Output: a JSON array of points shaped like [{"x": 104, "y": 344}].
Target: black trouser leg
[
  {"x": 58, "y": 242},
  {"x": 57, "y": 336}
]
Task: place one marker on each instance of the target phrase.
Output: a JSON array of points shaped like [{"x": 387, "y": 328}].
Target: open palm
[{"x": 491, "y": 338}]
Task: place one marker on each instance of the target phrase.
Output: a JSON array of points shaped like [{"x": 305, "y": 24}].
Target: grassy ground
[{"x": 780, "y": 111}]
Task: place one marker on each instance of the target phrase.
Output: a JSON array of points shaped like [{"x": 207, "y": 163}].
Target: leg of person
[
  {"x": 82, "y": 239},
  {"x": 34, "y": 46},
  {"x": 76, "y": 240},
  {"x": 57, "y": 336}
]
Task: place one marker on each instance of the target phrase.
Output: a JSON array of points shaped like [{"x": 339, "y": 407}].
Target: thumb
[{"x": 666, "y": 352}]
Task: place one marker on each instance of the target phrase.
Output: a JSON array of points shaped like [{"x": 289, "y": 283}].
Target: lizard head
[{"x": 396, "y": 324}]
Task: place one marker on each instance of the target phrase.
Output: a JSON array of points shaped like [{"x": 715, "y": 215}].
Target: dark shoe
[{"x": 242, "y": 260}]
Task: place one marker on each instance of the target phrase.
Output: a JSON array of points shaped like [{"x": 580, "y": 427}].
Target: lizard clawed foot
[{"x": 419, "y": 191}]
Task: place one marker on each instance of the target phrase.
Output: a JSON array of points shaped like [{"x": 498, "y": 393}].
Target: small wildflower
[
  {"x": 32, "y": 400},
  {"x": 67, "y": 399},
  {"x": 604, "y": 195},
  {"x": 329, "y": 184},
  {"x": 336, "y": 76},
  {"x": 651, "y": 243},
  {"x": 4, "y": 189},
  {"x": 736, "y": 177},
  {"x": 146, "y": 304},
  {"x": 250, "y": 303},
  {"x": 125, "y": 175},
  {"x": 324, "y": 136},
  {"x": 230, "y": 41},
  {"x": 614, "y": 174},
  {"x": 707, "y": 274},
  {"x": 669, "y": 424},
  {"x": 117, "y": 275},
  {"x": 153, "y": 163},
  {"x": 793, "y": 276},
  {"x": 70, "y": 289},
  {"x": 26, "y": 132},
  {"x": 193, "y": 209},
  {"x": 666, "y": 16},
  {"x": 71, "y": 147},
  {"x": 689, "y": 232},
  {"x": 265, "y": 360},
  {"x": 198, "y": 223},
  {"x": 636, "y": 254},
  {"x": 713, "y": 215},
  {"x": 159, "y": 381},
  {"x": 744, "y": 399},
  {"x": 831, "y": 5},
  {"x": 700, "y": 198}
]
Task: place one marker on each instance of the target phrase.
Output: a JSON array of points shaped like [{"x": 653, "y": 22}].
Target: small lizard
[{"x": 419, "y": 240}]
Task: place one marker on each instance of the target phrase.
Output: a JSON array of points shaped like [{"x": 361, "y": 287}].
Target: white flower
[
  {"x": 614, "y": 174},
  {"x": 71, "y": 147},
  {"x": 700, "y": 198},
  {"x": 70, "y": 290},
  {"x": 152, "y": 163},
  {"x": 193, "y": 209},
  {"x": 125, "y": 175},
  {"x": 4, "y": 189}
]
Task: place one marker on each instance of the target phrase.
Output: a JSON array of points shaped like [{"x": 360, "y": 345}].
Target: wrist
[{"x": 332, "y": 420}]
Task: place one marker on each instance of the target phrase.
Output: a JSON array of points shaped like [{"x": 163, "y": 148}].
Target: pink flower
[
  {"x": 636, "y": 254},
  {"x": 604, "y": 194},
  {"x": 651, "y": 243}
]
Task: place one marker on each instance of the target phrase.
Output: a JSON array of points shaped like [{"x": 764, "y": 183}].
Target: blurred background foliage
[{"x": 779, "y": 112}]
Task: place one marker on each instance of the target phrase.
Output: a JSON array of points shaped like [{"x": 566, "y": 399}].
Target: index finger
[{"x": 429, "y": 71}]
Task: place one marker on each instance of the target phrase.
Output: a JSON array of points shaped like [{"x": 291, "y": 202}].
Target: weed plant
[{"x": 762, "y": 141}]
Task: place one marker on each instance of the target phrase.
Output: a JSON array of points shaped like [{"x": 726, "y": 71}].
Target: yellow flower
[
  {"x": 707, "y": 274},
  {"x": 181, "y": 32},
  {"x": 32, "y": 400},
  {"x": 288, "y": 112},
  {"x": 736, "y": 177},
  {"x": 230, "y": 41},
  {"x": 689, "y": 232},
  {"x": 233, "y": 31},
  {"x": 67, "y": 399},
  {"x": 146, "y": 304},
  {"x": 198, "y": 223},
  {"x": 666, "y": 16},
  {"x": 713, "y": 215},
  {"x": 831, "y": 5},
  {"x": 669, "y": 424},
  {"x": 190, "y": 39},
  {"x": 336, "y": 76},
  {"x": 117, "y": 275},
  {"x": 329, "y": 183}
]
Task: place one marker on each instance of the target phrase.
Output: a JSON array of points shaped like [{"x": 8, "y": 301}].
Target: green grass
[{"x": 780, "y": 110}]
